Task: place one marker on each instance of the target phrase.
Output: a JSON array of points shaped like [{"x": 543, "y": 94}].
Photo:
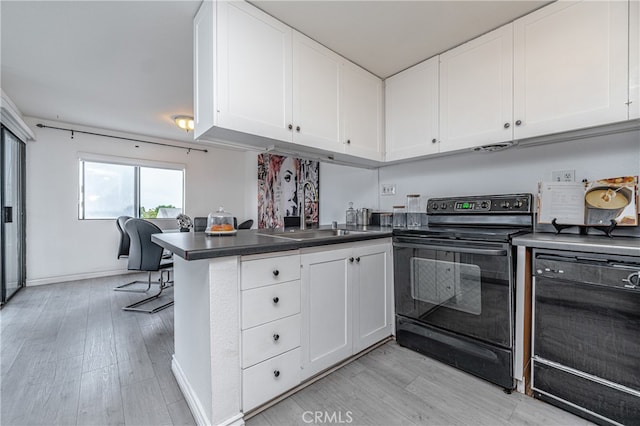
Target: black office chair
[
  {"x": 145, "y": 255},
  {"x": 123, "y": 252},
  {"x": 199, "y": 224},
  {"x": 247, "y": 224}
]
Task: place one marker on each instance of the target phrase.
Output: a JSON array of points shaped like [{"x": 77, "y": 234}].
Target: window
[{"x": 109, "y": 190}]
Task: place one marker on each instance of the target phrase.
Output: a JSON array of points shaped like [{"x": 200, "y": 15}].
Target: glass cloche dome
[{"x": 220, "y": 221}]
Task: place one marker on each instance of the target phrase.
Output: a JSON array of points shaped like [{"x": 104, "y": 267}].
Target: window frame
[{"x": 125, "y": 161}]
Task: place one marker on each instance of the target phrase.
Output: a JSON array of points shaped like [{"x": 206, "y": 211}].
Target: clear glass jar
[
  {"x": 414, "y": 214},
  {"x": 399, "y": 217},
  {"x": 220, "y": 221},
  {"x": 386, "y": 219},
  {"x": 351, "y": 215}
]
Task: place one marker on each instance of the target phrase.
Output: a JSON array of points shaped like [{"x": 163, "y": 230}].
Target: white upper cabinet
[
  {"x": 316, "y": 94},
  {"x": 361, "y": 107},
  {"x": 476, "y": 91},
  {"x": 570, "y": 67},
  {"x": 259, "y": 82},
  {"x": 634, "y": 59},
  {"x": 204, "y": 52},
  {"x": 411, "y": 113},
  {"x": 253, "y": 72}
]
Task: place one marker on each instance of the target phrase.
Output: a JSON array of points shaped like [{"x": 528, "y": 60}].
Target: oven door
[{"x": 464, "y": 287}]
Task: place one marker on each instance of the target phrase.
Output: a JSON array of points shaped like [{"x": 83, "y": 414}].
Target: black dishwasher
[{"x": 586, "y": 335}]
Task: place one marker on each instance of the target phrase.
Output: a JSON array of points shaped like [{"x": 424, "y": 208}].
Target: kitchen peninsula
[{"x": 258, "y": 313}]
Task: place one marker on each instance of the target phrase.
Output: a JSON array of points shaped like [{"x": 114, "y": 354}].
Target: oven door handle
[{"x": 468, "y": 250}]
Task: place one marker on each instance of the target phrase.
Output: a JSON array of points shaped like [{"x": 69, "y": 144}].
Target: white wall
[
  {"x": 60, "y": 246},
  {"x": 514, "y": 170},
  {"x": 341, "y": 184}
]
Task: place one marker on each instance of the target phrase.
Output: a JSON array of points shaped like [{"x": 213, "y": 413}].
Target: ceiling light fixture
[{"x": 185, "y": 122}]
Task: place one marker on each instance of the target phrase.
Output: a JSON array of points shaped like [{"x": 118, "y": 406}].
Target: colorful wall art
[{"x": 280, "y": 181}]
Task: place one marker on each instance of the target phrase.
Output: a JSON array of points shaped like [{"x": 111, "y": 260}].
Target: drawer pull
[
  {"x": 276, "y": 299},
  {"x": 276, "y": 272},
  {"x": 276, "y": 373},
  {"x": 276, "y": 337},
  {"x": 351, "y": 259},
  {"x": 358, "y": 259}
]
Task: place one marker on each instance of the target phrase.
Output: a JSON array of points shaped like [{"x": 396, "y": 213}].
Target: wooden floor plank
[
  {"x": 180, "y": 413},
  {"x": 100, "y": 399},
  {"x": 71, "y": 356},
  {"x": 144, "y": 404}
]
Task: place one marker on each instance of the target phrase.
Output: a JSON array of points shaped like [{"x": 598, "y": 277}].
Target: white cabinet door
[
  {"x": 253, "y": 71},
  {"x": 326, "y": 310},
  {"x": 570, "y": 67},
  {"x": 476, "y": 94},
  {"x": 372, "y": 295},
  {"x": 316, "y": 96},
  {"x": 411, "y": 109},
  {"x": 634, "y": 59},
  {"x": 361, "y": 111},
  {"x": 203, "y": 68}
]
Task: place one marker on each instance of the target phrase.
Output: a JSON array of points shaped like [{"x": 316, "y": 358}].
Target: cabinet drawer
[
  {"x": 270, "y": 339},
  {"x": 268, "y": 271},
  {"x": 266, "y": 304},
  {"x": 269, "y": 379}
]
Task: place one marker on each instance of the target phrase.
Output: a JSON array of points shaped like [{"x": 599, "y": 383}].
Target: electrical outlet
[
  {"x": 388, "y": 189},
  {"x": 563, "y": 176}
]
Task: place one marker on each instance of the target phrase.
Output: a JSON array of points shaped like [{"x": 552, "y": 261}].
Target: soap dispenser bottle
[{"x": 351, "y": 215}]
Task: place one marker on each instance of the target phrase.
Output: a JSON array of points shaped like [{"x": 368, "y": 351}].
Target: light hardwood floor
[{"x": 70, "y": 355}]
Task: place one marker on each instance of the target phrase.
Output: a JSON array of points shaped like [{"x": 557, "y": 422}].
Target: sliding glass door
[{"x": 12, "y": 198}]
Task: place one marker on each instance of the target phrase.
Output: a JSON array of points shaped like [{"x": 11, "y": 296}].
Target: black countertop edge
[{"x": 198, "y": 245}]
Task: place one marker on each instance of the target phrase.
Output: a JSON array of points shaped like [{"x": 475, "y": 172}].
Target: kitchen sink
[{"x": 311, "y": 234}]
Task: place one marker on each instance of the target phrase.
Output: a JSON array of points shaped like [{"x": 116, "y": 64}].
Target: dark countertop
[
  {"x": 198, "y": 245},
  {"x": 626, "y": 246}
]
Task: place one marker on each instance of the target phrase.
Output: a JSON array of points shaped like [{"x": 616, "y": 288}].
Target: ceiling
[{"x": 127, "y": 65}]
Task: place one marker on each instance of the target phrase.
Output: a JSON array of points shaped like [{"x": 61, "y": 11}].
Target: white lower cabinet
[
  {"x": 269, "y": 303},
  {"x": 270, "y": 323},
  {"x": 372, "y": 288},
  {"x": 338, "y": 304},
  {"x": 326, "y": 319},
  {"x": 270, "y": 339},
  {"x": 346, "y": 302},
  {"x": 270, "y": 378}
]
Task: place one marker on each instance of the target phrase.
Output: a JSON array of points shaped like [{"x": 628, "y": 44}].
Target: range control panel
[{"x": 513, "y": 203}]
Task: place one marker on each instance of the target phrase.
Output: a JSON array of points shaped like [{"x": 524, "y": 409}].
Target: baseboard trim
[
  {"x": 76, "y": 277},
  {"x": 199, "y": 415},
  {"x": 193, "y": 402}
]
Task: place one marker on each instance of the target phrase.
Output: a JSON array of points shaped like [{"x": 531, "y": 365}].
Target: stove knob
[
  {"x": 484, "y": 205},
  {"x": 434, "y": 206},
  {"x": 505, "y": 205},
  {"x": 517, "y": 204},
  {"x": 443, "y": 206}
]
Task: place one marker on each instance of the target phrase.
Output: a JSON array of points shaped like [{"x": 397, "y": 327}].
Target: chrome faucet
[{"x": 303, "y": 216}]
